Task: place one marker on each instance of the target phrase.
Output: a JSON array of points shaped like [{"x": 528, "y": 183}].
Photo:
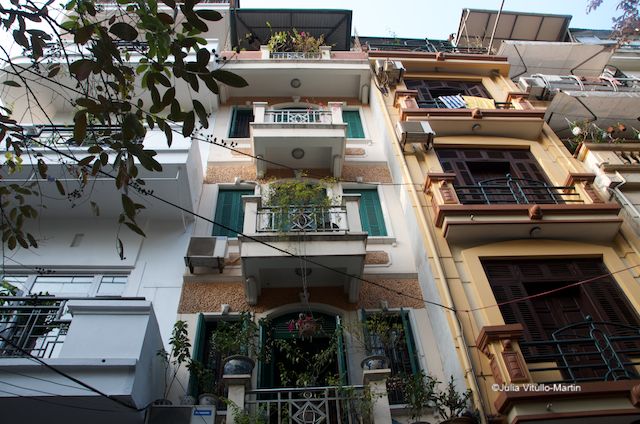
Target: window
[
  {"x": 389, "y": 334},
  {"x": 70, "y": 285},
  {"x": 574, "y": 315},
  {"x": 431, "y": 91},
  {"x": 498, "y": 177},
  {"x": 354, "y": 123},
  {"x": 240, "y": 120},
  {"x": 370, "y": 211},
  {"x": 229, "y": 212}
]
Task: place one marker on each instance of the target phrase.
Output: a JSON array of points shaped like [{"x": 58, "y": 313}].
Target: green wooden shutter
[
  {"x": 354, "y": 123},
  {"x": 371, "y": 212},
  {"x": 240, "y": 120},
  {"x": 197, "y": 353},
  {"x": 342, "y": 363},
  {"x": 408, "y": 339},
  {"x": 229, "y": 212}
]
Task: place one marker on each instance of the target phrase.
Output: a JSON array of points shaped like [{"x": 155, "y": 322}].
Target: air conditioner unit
[
  {"x": 535, "y": 87},
  {"x": 415, "y": 132},
  {"x": 207, "y": 252},
  {"x": 389, "y": 72},
  {"x": 169, "y": 414}
]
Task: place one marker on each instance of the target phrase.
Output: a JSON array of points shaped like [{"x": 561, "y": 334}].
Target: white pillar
[
  {"x": 265, "y": 52},
  {"x": 325, "y": 52},
  {"x": 237, "y": 386},
  {"x": 259, "y": 109},
  {"x": 351, "y": 201},
  {"x": 377, "y": 382}
]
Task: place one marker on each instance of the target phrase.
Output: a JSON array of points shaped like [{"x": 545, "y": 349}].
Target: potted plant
[
  {"x": 236, "y": 342},
  {"x": 294, "y": 41},
  {"x": 422, "y": 393},
  {"x": 305, "y": 325},
  {"x": 379, "y": 334},
  {"x": 206, "y": 383}
]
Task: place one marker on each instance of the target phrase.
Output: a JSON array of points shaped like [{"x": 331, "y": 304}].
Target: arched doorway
[{"x": 297, "y": 361}]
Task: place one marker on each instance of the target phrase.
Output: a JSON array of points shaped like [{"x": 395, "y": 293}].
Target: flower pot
[
  {"x": 207, "y": 399},
  {"x": 375, "y": 362},
  {"x": 187, "y": 400},
  {"x": 238, "y": 365},
  {"x": 308, "y": 328}
]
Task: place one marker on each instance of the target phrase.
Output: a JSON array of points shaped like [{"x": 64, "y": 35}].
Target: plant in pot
[
  {"x": 236, "y": 341},
  {"x": 299, "y": 205},
  {"x": 294, "y": 41},
  {"x": 173, "y": 360},
  {"x": 379, "y": 335},
  {"x": 422, "y": 394},
  {"x": 207, "y": 383}
]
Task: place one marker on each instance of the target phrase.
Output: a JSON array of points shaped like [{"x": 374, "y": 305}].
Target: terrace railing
[{"x": 302, "y": 219}]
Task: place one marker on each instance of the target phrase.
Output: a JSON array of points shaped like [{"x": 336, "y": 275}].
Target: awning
[
  {"x": 554, "y": 58},
  {"x": 601, "y": 108},
  {"x": 476, "y": 26},
  {"x": 334, "y": 24}
]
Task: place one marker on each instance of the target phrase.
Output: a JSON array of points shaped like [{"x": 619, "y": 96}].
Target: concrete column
[
  {"x": 377, "y": 382},
  {"x": 265, "y": 52},
  {"x": 250, "y": 205},
  {"x": 351, "y": 201},
  {"x": 258, "y": 111},
  {"x": 237, "y": 386},
  {"x": 336, "y": 112},
  {"x": 325, "y": 52}
]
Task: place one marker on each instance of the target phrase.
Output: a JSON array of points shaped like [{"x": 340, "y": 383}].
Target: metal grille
[
  {"x": 511, "y": 190},
  {"x": 311, "y": 405},
  {"x": 294, "y": 55},
  {"x": 35, "y": 325},
  {"x": 302, "y": 218},
  {"x": 588, "y": 351},
  {"x": 297, "y": 116}
]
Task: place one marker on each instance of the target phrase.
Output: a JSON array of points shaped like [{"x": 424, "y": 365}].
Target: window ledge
[{"x": 381, "y": 240}]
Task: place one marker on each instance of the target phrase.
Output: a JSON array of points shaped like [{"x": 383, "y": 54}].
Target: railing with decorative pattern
[
  {"x": 36, "y": 325},
  {"x": 585, "y": 351},
  {"x": 298, "y": 116},
  {"x": 439, "y": 104},
  {"x": 294, "y": 55},
  {"x": 509, "y": 190},
  {"x": 302, "y": 219},
  {"x": 311, "y": 405}
]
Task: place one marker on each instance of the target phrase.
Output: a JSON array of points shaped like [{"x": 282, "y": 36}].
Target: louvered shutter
[
  {"x": 229, "y": 212},
  {"x": 240, "y": 120},
  {"x": 506, "y": 286},
  {"x": 371, "y": 215},
  {"x": 354, "y": 123},
  {"x": 198, "y": 352}
]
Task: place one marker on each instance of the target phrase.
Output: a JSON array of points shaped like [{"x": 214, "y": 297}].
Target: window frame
[
  {"x": 386, "y": 239},
  {"x": 229, "y": 187},
  {"x": 232, "y": 123},
  {"x": 93, "y": 291}
]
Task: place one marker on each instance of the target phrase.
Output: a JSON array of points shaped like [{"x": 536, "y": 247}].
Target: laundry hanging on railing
[
  {"x": 453, "y": 102},
  {"x": 474, "y": 102}
]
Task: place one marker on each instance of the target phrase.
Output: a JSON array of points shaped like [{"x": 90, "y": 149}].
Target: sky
[{"x": 439, "y": 18}]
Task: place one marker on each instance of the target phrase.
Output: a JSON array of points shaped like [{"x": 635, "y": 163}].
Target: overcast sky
[{"x": 438, "y": 18}]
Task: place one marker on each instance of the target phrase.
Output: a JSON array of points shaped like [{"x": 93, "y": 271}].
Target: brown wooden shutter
[{"x": 453, "y": 161}]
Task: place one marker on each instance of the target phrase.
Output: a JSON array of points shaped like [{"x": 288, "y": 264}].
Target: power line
[
  {"x": 57, "y": 383},
  {"x": 252, "y": 238},
  {"x": 39, "y": 399}
]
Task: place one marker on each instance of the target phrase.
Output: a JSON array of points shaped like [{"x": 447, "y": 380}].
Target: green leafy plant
[
  {"x": 178, "y": 356},
  {"x": 294, "y": 41},
  {"x": 449, "y": 403},
  {"x": 422, "y": 393},
  {"x": 239, "y": 337}
]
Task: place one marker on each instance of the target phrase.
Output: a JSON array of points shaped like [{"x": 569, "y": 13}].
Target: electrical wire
[
  {"x": 39, "y": 399},
  {"x": 57, "y": 383}
]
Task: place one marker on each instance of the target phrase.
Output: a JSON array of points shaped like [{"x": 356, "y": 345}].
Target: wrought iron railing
[
  {"x": 298, "y": 116},
  {"x": 439, "y": 104},
  {"x": 57, "y": 134},
  {"x": 511, "y": 190},
  {"x": 311, "y": 405},
  {"x": 302, "y": 219},
  {"x": 294, "y": 55},
  {"x": 37, "y": 325},
  {"x": 586, "y": 351}
]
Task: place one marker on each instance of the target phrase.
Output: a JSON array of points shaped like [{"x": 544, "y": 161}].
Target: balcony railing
[
  {"x": 439, "y": 104},
  {"x": 302, "y": 219},
  {"x": 586, "y": 351},
  {"x": 311, "y": 405},
  {"x": 294, "y": 55},
  {"x": 296, "y": 116},
  {"x": 511, "y": 190},
  {"x": 36, "y": 325}
]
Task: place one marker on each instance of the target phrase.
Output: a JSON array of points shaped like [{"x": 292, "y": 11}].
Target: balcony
[
  {"x": 108, "y": 343},
  {"x": 582, "y": 362},
  {"x": 510, "y": 208},
  {"x": 299, "y": 138},
  {"x": 514, "y": 117},
  {"x": 330, "y": 236}
]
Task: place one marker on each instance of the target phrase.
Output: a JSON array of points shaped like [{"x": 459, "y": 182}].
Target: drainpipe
[{"x": 469, "y": 372}]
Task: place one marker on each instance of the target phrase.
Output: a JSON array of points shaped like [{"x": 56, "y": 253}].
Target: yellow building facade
[{"x": 533, "y": 269}]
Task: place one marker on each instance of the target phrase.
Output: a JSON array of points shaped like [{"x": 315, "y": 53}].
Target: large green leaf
[
  {"x": 124, "y": 31},
  {"x": 229, "y": 78}
]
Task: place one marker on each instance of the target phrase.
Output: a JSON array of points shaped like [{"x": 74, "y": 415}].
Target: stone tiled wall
[
  {"x": 207, "y": 297},
  {"x": 374, "y": 173},
  {"x": 226, "y": 173}
]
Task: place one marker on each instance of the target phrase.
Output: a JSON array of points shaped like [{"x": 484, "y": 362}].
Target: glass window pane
[{"x": 111, "y": 285}]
